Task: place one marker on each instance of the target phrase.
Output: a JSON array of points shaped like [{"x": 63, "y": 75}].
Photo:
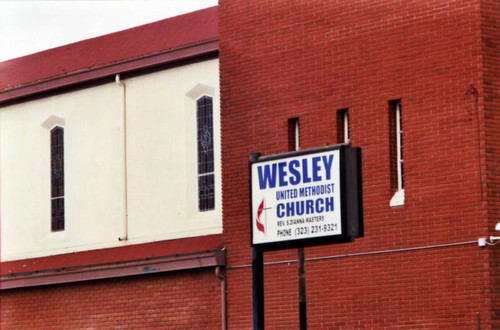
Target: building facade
[
  {"x": 110, "y": 171},
  {"x": 415, "y": 85},
  {"x": 124, "y": 172}
]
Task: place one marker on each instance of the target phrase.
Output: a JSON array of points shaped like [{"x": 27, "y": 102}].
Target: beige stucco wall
[{"x": 161, "y": 164}]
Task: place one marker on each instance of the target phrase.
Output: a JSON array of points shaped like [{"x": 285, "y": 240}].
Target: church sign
[{"x": 306, "y": 198}]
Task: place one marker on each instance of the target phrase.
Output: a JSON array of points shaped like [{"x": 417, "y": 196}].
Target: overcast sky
[{"x": 28, "y": 27}]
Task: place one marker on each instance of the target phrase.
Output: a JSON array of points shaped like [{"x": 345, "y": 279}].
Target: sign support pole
[
  {"x": 257, "y": 289},
  {"x": 302, "y": 290},
  {"x": 325, "y": 181}
]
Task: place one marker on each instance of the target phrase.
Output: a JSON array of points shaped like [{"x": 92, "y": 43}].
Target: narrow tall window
[
  {"x": 206, "y": 185},
  {"x": 396, "y": 153},
  {"x": 343, "y": 126},
  {"x": 293, "y": 134},
  {"x": 57, "y": 178}
]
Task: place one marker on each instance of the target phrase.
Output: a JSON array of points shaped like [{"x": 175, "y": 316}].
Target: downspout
[
  {"x": 124, "y": 237},
  {"x": 223, "y": 296}
]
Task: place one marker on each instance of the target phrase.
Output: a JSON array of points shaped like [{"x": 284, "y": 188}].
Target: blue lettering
[
  {"x": 316, "y": 168},
  {"x": 309, "y": 206},
  {"x": 328, "y": 165},
  {"x": 292, "y": 172},
  {"x": 319, "y": 205},
  {"x": 279, "y": 210},
  {"x": 295, "y": 179},
  {"x": 268, "y": 177},
  {"x": 280, "y": 195},
  {"x": 282, "y": 174},
  {"x": 329, "y": 204},
  {"x": 306, "y": 178},
  {"x": 300, "y": 207},
  {"x": 290, "y": 212}
]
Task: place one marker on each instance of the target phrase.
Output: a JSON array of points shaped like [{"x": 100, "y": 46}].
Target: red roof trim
[
  {"x": 67, "y": 80},
  {"x": 142, "y": 267},
  {"x": 168, "y": 40},
  {"x": 161, "y": 249}
]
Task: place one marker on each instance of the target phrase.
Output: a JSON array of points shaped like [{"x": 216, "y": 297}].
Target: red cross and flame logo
[{"x": 260, "y": 225}]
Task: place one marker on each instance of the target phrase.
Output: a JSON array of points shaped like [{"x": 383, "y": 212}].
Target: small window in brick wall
[
  {"x": 343, "y": 126},
  {"x": 396, "y": 153},
  {"x": 57, "y": 178},
  {"x": 293, "y": 134},
  {"x": 206, "y": 184}
]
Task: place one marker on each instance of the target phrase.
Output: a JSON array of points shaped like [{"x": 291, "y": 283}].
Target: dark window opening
[
  {"x": 57, "y": 178},
  {"x": 293, "y": 134},
  {"x": 206, "y": 184}
]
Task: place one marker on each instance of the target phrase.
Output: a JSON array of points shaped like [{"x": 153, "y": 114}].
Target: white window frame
[
  {"x": 343, "y": 123},
  {"x": 297, "y": 135},
  {"x": 345, "y": 120},
  {"x": 398, "y": 199}
]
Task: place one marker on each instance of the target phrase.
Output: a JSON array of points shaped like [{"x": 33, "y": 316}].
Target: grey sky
[{"x": 28, "y": 27}]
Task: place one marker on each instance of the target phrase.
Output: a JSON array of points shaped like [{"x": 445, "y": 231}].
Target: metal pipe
[
  {"x": 124, "y": 237},
  {"x": 362, "y": 254},
  {"x": 223, "y": 296}
]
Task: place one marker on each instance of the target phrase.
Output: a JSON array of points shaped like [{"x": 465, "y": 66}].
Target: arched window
[
  {"x": 205, "y": 133},
  {"x": 57, "y": 178}
]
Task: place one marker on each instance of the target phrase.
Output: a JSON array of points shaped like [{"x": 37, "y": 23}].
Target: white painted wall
[
  {"x": 162, "y": 164},
  {"x": 162, "y": 153}
]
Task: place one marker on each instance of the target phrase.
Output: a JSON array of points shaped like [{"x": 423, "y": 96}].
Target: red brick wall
[
  {"x": 489, "y": 98},
  {"x": 177, "y": 300},
  {"x": 307, "y": 59}
]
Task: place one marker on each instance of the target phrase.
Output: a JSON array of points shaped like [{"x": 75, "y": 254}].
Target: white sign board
[{"x": 296, "y": 198}]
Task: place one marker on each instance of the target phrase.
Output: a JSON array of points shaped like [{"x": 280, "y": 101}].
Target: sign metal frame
[{"x": 351, "y": 209}]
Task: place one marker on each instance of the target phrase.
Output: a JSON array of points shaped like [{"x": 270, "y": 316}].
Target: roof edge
[
  {"x": 205, "y": 47},
  {"x": 146, "y": 266},
  {"x": 127, "y": 260}
]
